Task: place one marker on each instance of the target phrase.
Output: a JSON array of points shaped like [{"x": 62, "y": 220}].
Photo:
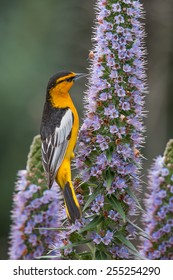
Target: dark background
[{"x": 41, "y": 37}]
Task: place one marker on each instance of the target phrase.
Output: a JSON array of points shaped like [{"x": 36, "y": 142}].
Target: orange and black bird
[{"x": 59, "y": 130}]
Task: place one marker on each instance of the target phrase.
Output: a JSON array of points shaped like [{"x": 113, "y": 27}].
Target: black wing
[{"x": 55, "y": 134}]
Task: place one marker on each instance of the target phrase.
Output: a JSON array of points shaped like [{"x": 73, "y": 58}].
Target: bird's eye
[{"x": 69, "y": 79}]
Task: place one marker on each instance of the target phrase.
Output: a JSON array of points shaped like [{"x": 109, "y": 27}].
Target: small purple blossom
[
  {"x": 104, "y": 146},
  {"x": 126, "y": 106},
  {"x": 120, "y": 252},
  {"x": 121, "y": 92},
  {"x": 106, "y": 239},
  {"x": 127, "y": 68},
  {"x": 97, "y": 238},
  {"x": 103, "y": 96},
  {"x": 113, "y": 129},
  {"x": 116, "y": 7},
  {"x": 164, "y": 172},
  {"x": 113, "y": 215},
  {"x": 111, "y": 111},
  {"x": 119, "y": 19},
  {"x": 98, "y": 203}
]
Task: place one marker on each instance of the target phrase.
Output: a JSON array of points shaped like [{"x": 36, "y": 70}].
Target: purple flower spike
[
  {"x": 30, "y": 212},
  {"x": 159, "y": 208},
  {"x": 113, "y": 129}
]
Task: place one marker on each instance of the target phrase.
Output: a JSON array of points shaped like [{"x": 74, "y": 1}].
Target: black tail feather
[{"x": 73, "y": 208}]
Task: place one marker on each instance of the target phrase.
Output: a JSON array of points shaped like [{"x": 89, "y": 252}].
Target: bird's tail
[{"x": 71, "y": 203}]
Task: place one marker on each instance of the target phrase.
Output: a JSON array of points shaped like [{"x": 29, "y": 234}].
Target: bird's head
[{"x": 63, "y": 81}]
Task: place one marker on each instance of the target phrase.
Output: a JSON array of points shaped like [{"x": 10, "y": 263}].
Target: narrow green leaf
[
  {"x": 46, "y": 257},
  {"x": 72, "y": 245},
  {"x": 136, "y": 254},
  {"x": 91, "y": 198},
  {"x": 85, "y": 256},
  {"x": 118, "y": 207},
  {"x": 109, "y": 155},
  {"x": 100, "y": 255},
  {"x": 125, "y": 241},
  {"x": 51, "y": 257},
  {"x": 135, "y": 199},
  {"x": 93, "y": 224},
  {"x": 50, "y": 228},
  {"x": 142, "y": 232},
  {"x": 109, "y": 179}
]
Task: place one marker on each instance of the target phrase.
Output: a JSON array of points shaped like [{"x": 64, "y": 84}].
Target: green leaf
[
  {"x": 71, "y": 245},
  {"x": 125, "y": 241},
  {"x": 93, "y": 224},
  {"x": 85, "y": 256},
  {"x": 50, "y": 228},
  {"x": 135, "y": 199},
  {"x": 118, "y": 207},
  {"x": 91, "y": 198},
  {"x": 46, "y": 257},
  {"x": 109, "y": 179},
  {"x": 142, "y": 232},
  {"x": 109, "y": 155},
  {"x": 136, "y": 254},
  {"x": 100, "y": 255},
  {"x": 51, "y": 257}
]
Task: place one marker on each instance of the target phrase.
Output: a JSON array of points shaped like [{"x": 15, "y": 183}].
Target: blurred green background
[{"x": 42, "y": 37}]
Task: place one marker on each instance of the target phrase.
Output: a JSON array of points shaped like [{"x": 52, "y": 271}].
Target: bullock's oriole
[{"x": 59, "y": 129}]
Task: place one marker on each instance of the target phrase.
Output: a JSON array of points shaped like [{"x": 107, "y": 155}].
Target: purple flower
[
  {"x": 126, "y": 106},
  {"x": 111, "y": 111},
  {"x": 113, "y": 129},
  {"x": 102, "y": 160},
  {"x": 38, "y": 218},
  {"x": 103, "y": 96},
  {"x": 121, "y": 92},
  {"x": 119, "y": 19},
  {"x": 120, "y": 252},
  {"x": 104, "y": 146},
  {"x": 98, "y": 203},
  {"x": 97, "y": 238},
  {"x": 106, "y": 239},
  {"x": 33, "y": 239},
  {"x": 127, "y": 68},
  {"x": 113, "y": 215},
  {"x": 164, "y": 172},
  {"x": 116, "y": 7}
]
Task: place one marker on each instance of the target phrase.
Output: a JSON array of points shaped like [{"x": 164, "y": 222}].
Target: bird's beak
[{"x": 79, "y": 75}]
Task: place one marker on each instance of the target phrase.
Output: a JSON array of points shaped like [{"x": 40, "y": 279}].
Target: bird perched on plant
[{"x": 59, "y": 130}]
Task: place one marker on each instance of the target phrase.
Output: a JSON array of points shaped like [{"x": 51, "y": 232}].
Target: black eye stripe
[{"x": 68, "y": 80}]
